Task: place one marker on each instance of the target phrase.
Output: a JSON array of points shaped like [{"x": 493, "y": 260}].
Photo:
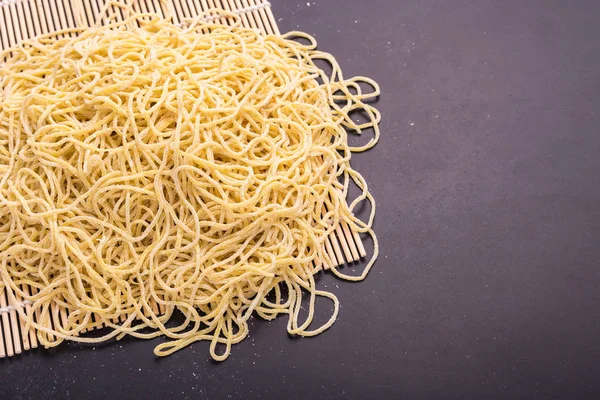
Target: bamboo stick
[
  {"x": 24, "y": 338},
  {"x": 271, "y": 18},
  {"x": 263, "y": 17},
  {"x": 3, "y": 31},
  {"x": 20, "y": 11},
  {"x": 9, "y": 26},
  {"x": 239, "y": 5},
  {"x": 6, "y": 333},
  {"x": 350, "y": 241},
  {"x": 253, "y": 14},
  {"x": 27, "y": 11},
  {"x": 32, "y": 334},
  {"x": 178, "y": 15}
]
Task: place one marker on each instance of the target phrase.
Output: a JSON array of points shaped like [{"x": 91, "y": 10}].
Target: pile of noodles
[{"x": 199, "y": 167}]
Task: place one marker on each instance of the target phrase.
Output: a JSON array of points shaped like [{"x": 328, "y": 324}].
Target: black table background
[{"x": 487, "y": 179}]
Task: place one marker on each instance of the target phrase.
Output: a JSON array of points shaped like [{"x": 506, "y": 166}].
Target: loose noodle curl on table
[{"x": 198, "y": 167}]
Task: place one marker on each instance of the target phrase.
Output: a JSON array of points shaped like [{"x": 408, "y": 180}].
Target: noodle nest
[{"x": 199, "y": 167}]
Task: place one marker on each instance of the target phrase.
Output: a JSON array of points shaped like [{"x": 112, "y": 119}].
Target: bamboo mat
[{"x": 24, "y": 19}]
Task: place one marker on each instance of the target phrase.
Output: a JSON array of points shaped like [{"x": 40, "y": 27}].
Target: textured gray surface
[{"x": 487, "y": 177}]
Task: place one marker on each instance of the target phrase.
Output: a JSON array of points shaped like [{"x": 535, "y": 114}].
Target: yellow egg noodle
[{"x": 200, "y": 166}]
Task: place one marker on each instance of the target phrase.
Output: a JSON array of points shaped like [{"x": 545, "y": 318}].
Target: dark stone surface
[{"x": 487, "y": 179}]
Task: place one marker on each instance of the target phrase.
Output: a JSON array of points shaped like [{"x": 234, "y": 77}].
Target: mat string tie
[
  {"x": 238, "y": 11},
  {"x": 9, "y": 2},
  {"x": 4, "y": 310}
]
